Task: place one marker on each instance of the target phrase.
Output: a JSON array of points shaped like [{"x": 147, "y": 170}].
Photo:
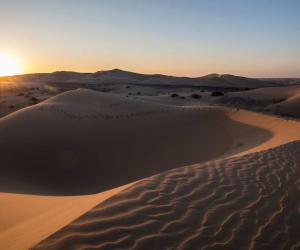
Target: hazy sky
[{"x": 244, "y": 37}]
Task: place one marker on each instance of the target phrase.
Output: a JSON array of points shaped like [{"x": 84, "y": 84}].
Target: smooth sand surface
[
  {"x": 269, "y": 93},
  {"x": 95, "y": 142},
  {"x": 287, "y": 107},
  {"x": 286, "y": 100},
  {"x": 27, "y": 219},
  {"x": 283, "y": 130}
]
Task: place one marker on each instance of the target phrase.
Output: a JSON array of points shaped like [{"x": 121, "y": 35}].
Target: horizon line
[{"x": 171, "y": 75}]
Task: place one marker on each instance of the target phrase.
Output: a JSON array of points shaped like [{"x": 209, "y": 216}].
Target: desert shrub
[
  {"x": 182, "y": 97},
  {"x": 34, "y": 100},
  {"x": 21, "y": 94},
  {"x": 277, "y": 100},
  {"x": 196, "y": 96},
  {"x": 105, "y": 89},
  {"x": 138, "y": 93},
  {"x": 217, "y": 93},
  {"x": 11, "y": 106},
  {"x": 174, "y": 95}
]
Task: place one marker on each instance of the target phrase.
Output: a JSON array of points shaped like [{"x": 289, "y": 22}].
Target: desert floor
[{"x": 138, "y": 168}]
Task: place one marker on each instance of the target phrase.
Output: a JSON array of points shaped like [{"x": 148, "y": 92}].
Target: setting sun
[{"x": 9, "y": 65}]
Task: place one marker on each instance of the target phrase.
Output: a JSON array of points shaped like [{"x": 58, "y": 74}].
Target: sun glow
[{"x": 9, "y": 65}]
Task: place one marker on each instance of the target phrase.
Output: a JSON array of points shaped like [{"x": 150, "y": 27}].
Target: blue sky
[{"x": 257, "y": 38}]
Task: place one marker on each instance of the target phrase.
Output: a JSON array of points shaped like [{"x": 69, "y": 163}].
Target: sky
[{"x": 255, "y": 38}]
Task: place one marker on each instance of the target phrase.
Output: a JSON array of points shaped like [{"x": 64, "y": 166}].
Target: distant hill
[
  {"x": 228, "y": 80},
  {"x": 117, "y": 76}
]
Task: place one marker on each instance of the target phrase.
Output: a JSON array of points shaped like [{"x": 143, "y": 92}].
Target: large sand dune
[
  {"x": 84, "y": 142},
  {"x": 249, "y": 202}
]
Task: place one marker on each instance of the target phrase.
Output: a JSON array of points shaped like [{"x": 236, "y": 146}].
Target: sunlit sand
[
  {"x": 134, "y": 166},
  {"x": 149, "y": 125}
]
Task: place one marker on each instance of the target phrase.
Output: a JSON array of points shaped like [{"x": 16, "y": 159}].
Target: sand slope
[
  {"x": 249, "y": 202},
  {"x": 282, "y": 130},
  {"x": 290, "y": 107},
  {"x": 284, "y": 100},
  {"x": 108, "y": 141},
  {"x": 269, "y": 93},
  {"x": 83, "y": 141},
  {"x": 27, "y": 219}
]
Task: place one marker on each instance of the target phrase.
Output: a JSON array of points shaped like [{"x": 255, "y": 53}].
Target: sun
[{"x": 9, "y": 65}]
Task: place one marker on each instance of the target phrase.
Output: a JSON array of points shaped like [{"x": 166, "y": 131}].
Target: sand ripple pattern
[{"x": 250, "y": 202}]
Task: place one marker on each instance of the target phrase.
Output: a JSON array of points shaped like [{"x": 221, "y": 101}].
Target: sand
[
  {"x": 90, "y": 135},
  {"x": 95, "y": 142},
  {"x": 287, "y": 107},
  {"x": 15, "y": 96},
  {"x": 269, "y": 93},
  {"x": 249, "y": 202},
  {"x": 282, "y": 130},
  {"x": 27, "y": 219},
  {"x": 282, "y": 100}
]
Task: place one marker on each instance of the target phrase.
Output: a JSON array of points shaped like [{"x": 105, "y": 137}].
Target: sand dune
[
  {"x": 88, "y": 136},
  {"x": 282, "y": 130},
  {"x": 269, "y": 93},
  {"x": 291, "y": 106},
  {"x": 281, "y": 100},
  {"x": 251, "y": 202},
  {"x": 109, "y": 140}
]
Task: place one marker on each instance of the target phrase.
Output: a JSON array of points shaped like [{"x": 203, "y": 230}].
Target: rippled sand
[{"x": 248, "y": 202}]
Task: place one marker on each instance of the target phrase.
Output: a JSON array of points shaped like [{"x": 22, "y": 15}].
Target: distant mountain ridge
[{"x": 118, "y": 76}]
